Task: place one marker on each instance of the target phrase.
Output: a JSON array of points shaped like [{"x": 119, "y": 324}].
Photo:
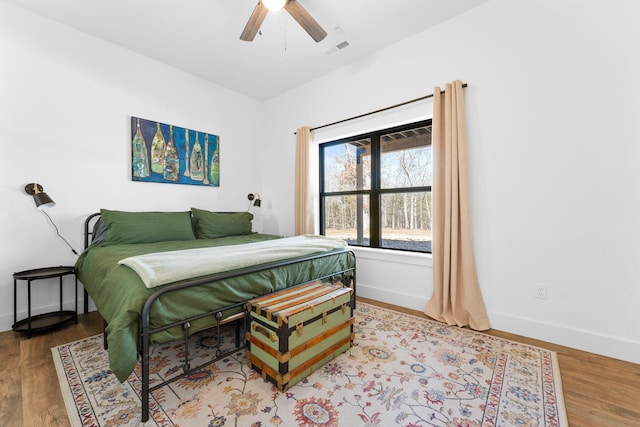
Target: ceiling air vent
[{"x": 337, "y": 47}]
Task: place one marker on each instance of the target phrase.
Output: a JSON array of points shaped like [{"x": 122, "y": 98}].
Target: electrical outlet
[{"x": 540, "y": 290}]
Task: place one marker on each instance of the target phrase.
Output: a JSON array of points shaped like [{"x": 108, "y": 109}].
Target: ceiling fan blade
[
  {"x": 305, "y": 20},
  {"x": 254, "y": 23}
]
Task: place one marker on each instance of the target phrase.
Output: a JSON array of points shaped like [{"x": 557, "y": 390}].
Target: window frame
[{"x": 375, "y": 193}]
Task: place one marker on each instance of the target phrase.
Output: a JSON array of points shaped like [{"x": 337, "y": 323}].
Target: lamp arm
[{"x": 58, "y": 232}]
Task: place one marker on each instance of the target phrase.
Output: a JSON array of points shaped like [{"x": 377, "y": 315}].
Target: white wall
[
  {"x": 65, "y": 105},
  {"x": 552, "y": 109}
]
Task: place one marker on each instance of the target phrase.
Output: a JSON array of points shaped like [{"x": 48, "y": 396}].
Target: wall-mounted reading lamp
[
  {"x": 255, "y": 198},
  {"x": 44, "y": 202}
]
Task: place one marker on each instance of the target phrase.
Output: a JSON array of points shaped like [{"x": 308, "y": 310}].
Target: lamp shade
[
  {"x": 255, "y": 198},
  {"x": 43, "y": 201}
]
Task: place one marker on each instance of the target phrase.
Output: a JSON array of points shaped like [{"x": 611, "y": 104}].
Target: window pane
[
  {"x": 347, "y": 166},
  {"x": 405, "y": 159},
  {"x": 347, "y": 217},
  {"x": 405, "y": 221}
]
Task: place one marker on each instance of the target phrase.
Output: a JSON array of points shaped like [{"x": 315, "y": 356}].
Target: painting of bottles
[{"x": 174, "y": 155}]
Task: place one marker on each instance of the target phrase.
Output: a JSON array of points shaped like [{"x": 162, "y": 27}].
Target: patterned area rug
[{"x": 402, "y": 370}]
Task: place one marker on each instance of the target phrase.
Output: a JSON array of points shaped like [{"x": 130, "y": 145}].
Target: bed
[{"x": 161, "y": 276}]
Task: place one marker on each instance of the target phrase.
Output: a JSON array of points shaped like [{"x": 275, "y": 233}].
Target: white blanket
[{"x": 166, "y": 267}]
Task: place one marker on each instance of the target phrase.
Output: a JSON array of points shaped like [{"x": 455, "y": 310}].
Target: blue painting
[{"x": 173, "y": 155}]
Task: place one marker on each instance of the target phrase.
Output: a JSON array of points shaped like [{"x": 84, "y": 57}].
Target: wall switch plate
[{"x": 540, "y": 290}]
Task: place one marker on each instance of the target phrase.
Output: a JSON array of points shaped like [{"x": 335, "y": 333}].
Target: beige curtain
[
  {"x": 304, "y": 211},
  {"x": 456, "y": 298}
]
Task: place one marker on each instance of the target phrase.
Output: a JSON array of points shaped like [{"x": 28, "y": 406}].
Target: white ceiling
[{"x": 201, "y": 37}]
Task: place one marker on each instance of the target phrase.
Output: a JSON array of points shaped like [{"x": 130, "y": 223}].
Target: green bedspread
[{"x": 120, "y": 294}]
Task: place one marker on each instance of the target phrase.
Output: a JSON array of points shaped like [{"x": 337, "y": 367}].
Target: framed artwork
[{"x": 173, "y": 155}]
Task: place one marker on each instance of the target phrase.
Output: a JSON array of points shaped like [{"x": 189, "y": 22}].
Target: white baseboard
[
  {"x": 415, "y": 302},
  {"x": 617, "y": 348}
]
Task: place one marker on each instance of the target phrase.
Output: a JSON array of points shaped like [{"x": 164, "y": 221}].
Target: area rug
[{"x": 401, "y": 371}]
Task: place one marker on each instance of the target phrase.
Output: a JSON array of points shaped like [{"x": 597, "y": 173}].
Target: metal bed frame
[{"x": 346, "y": 276}]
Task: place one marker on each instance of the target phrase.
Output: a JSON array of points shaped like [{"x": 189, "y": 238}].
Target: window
[{"x": 375, "y": 188}]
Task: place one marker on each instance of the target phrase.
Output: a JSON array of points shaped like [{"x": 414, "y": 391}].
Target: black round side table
[{"x": 45, "y": 320}]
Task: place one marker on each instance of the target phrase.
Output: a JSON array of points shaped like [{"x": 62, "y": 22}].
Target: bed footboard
[{"x": 347, "y": 277}]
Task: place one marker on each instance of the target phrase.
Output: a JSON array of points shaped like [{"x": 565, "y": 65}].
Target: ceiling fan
[{"x": 296, "y": 11}]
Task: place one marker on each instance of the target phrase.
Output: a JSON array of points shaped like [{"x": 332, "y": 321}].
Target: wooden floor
[{"x": 598, "y": 391}]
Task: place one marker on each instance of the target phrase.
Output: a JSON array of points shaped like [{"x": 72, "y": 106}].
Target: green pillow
[
  {"x": 146, "y": 227},
  {"x": 211, "y": 225}
]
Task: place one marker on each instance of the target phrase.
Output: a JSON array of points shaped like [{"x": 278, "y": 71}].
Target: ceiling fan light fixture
[
  {"x": 274, "y": 5},
  {"x": 293, "y": 7}
]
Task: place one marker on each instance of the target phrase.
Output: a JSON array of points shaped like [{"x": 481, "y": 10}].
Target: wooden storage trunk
[{"x": 297, "y": 330}]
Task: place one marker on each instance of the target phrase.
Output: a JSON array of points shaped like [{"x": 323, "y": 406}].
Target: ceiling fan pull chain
[{"x": 285, "y": 35}]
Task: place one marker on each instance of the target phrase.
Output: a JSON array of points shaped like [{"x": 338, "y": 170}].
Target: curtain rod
[{"x": 378, "y": 111}]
